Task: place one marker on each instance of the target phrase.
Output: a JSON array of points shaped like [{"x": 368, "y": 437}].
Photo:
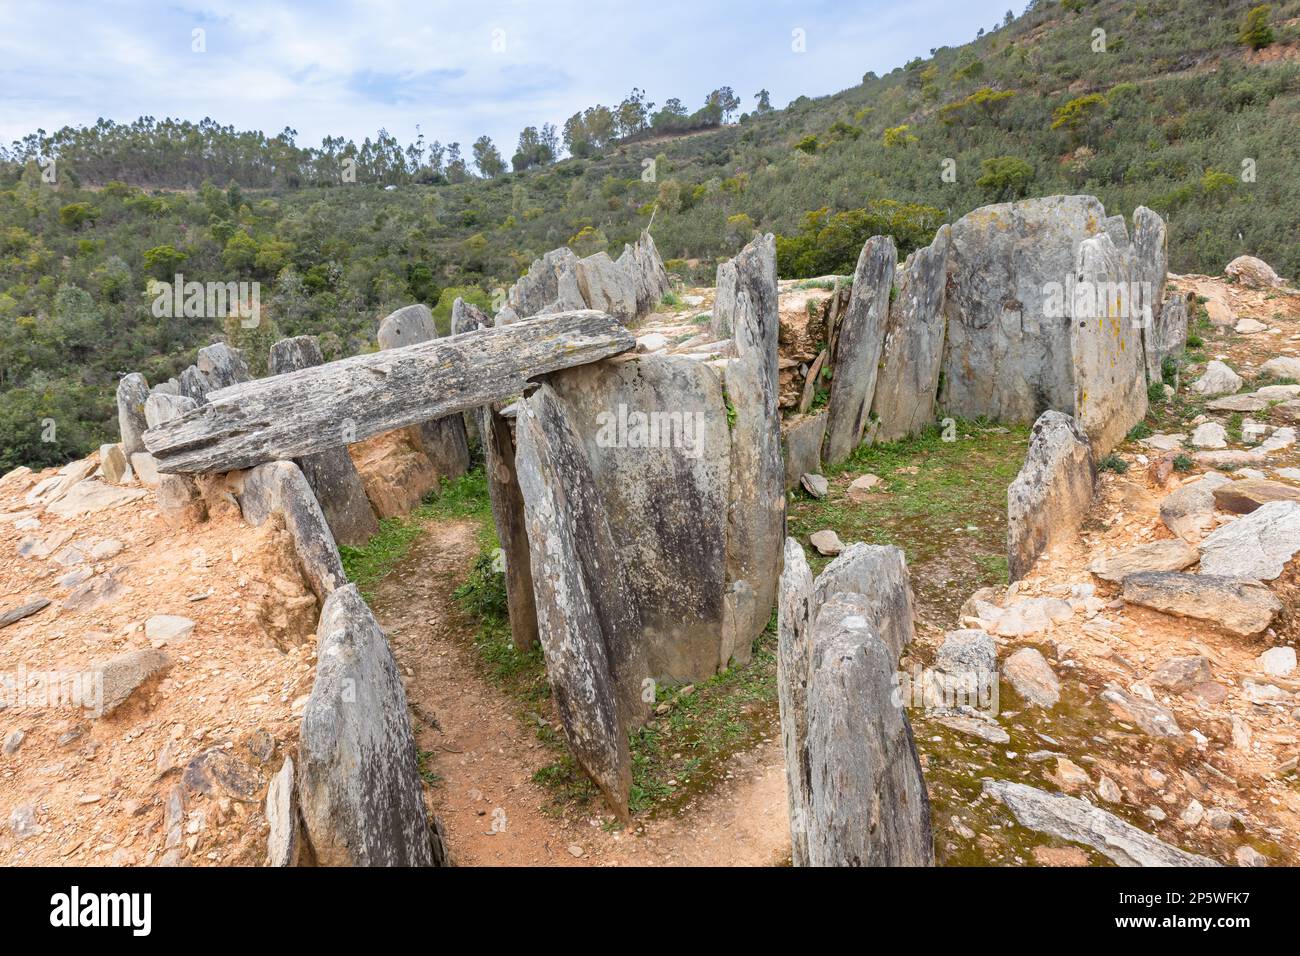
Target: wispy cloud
[{"x": 455, "y": 69}]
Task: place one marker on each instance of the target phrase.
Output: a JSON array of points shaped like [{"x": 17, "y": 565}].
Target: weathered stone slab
[
  {"x": 794, "y": 651},
  {"x": 1189, "y": 511},
  {"x": 550, "y": 285},
  {"x": 331, "y": 474},
  {"x": 284, "y": 845},
  {"x": 606, "y": 287},
  {"x": 132, "y": 393},
  {"x": 1008, "y": 354},
  {"x": 1218, "y": 379},
  {"x": 16, "y": 614},
  {"x": 801, "y": 445},
  {"x": 409, "y": 325},
  {"x": 756, "y": 511},
  {"x": 1240, "y": 606},
  {"x": 1069, "y": 818},
  {"x": 1150, "y": 273},
  {"x": 288, "y": 416},
  {"x": 498, "y": 442},
  {"x": 1032, "y": 677},
  {"x": 222, "y": 365},
  {"x": 868, "y": 804},
  {"x": 113, "y": 463},
  {"x": 1110, "y": 395},
  {"x": 92, "y": 496},
  {"x": 359, "y": 779},
  {"x": 1147, "y": 715},
  {"x": 1172, "y": 554},
  {"x": 856, "y": 359},
  {"x": 1247, "y": 494},
  {"x": 1253, "y": 273},
  {"x": 1051, "y": 495},
  {"x": 912, "y": 354},
  {"x": 587, "y": 617},
  {"x": 443, "y": 440},
  {"x": 655, "y": 436},
  {"x": 1257, "y": 546},
  {"x": 122, "y": 674},
  {"x": 641, "y": 261},
  {"x": 279, "y": 487},
  {"x": 879, "y": 572}
]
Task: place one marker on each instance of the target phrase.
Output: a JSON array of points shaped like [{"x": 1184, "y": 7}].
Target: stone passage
[{"x": 856, "y": 793}]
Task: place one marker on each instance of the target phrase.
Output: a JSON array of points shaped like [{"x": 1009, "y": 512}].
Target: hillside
[{"x": 1168, "y": 109}]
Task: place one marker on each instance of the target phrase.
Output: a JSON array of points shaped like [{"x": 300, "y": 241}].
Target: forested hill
[{"x": 1187, "y": 106}]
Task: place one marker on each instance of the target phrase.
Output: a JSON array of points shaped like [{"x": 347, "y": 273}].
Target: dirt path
[{"x": 485, "y": 757}]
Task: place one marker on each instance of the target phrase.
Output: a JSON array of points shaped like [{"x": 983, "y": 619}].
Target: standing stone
[
  {"x": 794, "y": 649},
  {"x": 113, "y": 463},
  {"x": 1051, "y": 495},
  {"x": 856, "y": 358},
  {"x": 507, "y": 500},
  {"x": 331, "y": 474},
  {"x": 222, "y": 365},
  {"x": 1168, "y": 335},
  {"x": 586, "y": 615},
  {"x": 194, "y": 385},
  {"x": 179, "y": 500},
  {"x": 1150, "y": 272},
  {"x": 655, "y": 436},
  {"x": 442, "y": 440},
  {"x": 1008, "y": 353},
  {"x": 880, "y": 573},
  {"x": 756, "y": 512},
  {"x": 868, "y": 803},
  {"x": 649, "y": 278},
  {"x": 725, "y": 288},
  {"x": 912, "y": 355},
  {"x": 1110, "y": 394},
  {"x": 550, "y": 285},
  {"x": 283, "y": 846},
  {"x": 278, "y": 487},
  {"x": 607, "y": 287},
  {"x": 132, "y": 393},
  {"x": 360, "y": 792},
  {"x": 801, "y": 446}
]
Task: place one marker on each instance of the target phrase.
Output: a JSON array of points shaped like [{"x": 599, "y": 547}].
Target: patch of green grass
[
  {"x": 1113, "y": 462},
  {"x": 1183, "y": 463},
  {"x": 1139, "y": 431},
  {"x": 943, "y": 502},
  {"x": 1155, "y": 393},
  {"x": 427, "y": 773},
  {"x": 1195, "y": 342},
  {"x": 671, "y": 299}
]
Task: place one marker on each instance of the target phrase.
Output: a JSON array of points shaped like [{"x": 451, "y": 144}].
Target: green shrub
[{"x": 1256, "y": 30}]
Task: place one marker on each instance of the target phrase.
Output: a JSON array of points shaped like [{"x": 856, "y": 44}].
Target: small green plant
[
  {"x": 1140, "y": 430},
  {"x": 1156, "y": 393},
  {"x": 1169, "y": 370},
  {"x": 1194, "y": 342},
  {"x": 671, "y": 299},
  {"x": 1182, "y": 463},
  {"x": 1113, "y": 462}
]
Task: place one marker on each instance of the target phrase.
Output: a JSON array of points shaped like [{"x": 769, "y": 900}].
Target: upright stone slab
[
  {"x": 794, "y": 614},
  {"x": 801, "y": 444},
  {"x": 607, "y": 287},
  {"x": 442, "y": 440},
  {"x": 756, "y": 516},
  {"x": 550, "y": 285},
  {"x": 359, "y": 776},
  {"x": 856, "y": 359},
  {"x": 178, "y": 496},
  {"x": 278, "y": 487},
  {"x": 1008, "y": 352},
  {"x": 655, "y": 433},
  {"x": 587, "y": 616},
  {"x": 1110, "y": 395},
  {"x": 194, "y": 385},
  {"x": 879, "y": 572},
  {"x": 1168, "y": 333},
  {"x": 1051, "y": 495},
  {"x": 507, "y": 500},
  {"x": 868, "y": 802},
  {"x": 132, "y": 393},
  {"x": 649, "y": 278},
  {"x": 726, "y": 285},
  {"x": 331, "y": 474},
  {"x": 222, "y": 365},
  {"x": 912, "y": 355},
  {"x": 1150, "y": 273}
]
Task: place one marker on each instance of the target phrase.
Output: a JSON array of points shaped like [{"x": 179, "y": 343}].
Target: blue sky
[{"x": 457, "y": 69}]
